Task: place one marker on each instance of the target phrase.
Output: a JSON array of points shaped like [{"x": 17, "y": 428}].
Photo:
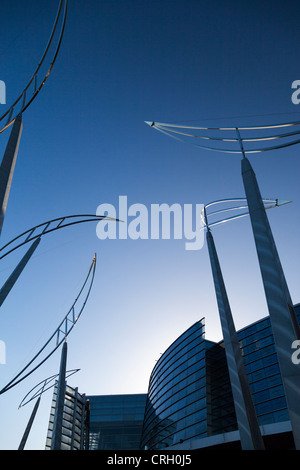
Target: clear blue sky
[{"x": 85, "y": 143}]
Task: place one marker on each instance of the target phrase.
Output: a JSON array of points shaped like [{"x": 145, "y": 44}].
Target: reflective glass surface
[
  {"x": 116, "y": 421},
  {"x": 183, "y": 391},
  {"x": 263, "y": 372},
  {"x": 189, "y": 393}
]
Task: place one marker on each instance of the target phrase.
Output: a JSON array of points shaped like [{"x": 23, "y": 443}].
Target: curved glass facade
[
  {"x": 190, "y": 394},
  {"x": 182, "y": 392}
]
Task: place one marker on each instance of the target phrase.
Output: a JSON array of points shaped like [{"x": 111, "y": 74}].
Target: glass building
[
  {"x": 263, "y": 372},
  {"x": 75, "y": 421},
  {"x": 189, "y": 392},
  {"x": 189, "y": 395},
  {"x": 116, "y": 421}
]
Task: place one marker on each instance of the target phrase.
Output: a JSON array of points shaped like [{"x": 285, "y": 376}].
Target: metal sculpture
[
  {"x": 36, "y": 82},
  {"x": 8, "y": 285},
  {"x": 232, "y": 136},
  {"x": 8, "y": 165},
  {"x": 38, "y": 390},
  {"x": 247, "y": 421},
  {"x": 48, "y": 227},
  {"x": 268, "y": 204},
  {"x": 284, "y": 322},
  {"x": 14, "y": 114},
  {"x": 34, "y": 234},
  {"x": 43, "y": 387},
  {"x": 61, "y": 332}
]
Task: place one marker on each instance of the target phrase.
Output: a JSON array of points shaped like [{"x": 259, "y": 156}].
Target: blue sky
[{"x": 85, "y": 143}]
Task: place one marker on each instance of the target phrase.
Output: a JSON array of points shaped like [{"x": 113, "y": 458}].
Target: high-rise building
[{"x": 116, "y": 421}]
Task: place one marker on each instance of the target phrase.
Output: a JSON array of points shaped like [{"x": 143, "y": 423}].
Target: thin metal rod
[
  {"x": 7, "y": 287},
  {"x": 32, "y": 235},
  {"x": 14, "y": 381},
  {"x": 29, "y": 425},
  {"x": 240, "y": 141},
  {"x": 60, "y": 18}
]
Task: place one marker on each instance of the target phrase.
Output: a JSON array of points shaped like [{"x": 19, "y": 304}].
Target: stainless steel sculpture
[
  {"x": 283, "y": 319},
  {"x": 8, "y": 165},
  {"x": 8, "y": 285},
  {"x": 231, "y": 135},
  {"x": 49, "y": 226},
  {"x": 250, "y": 434},
  {"x": 61, "y": 332},
  {"x": 35, "y": 234},
  {"x": 29, "y": 425},
  {"x": 38, "y": 390},
  {"x": 38, "y": 79},
  {"x": 14, "y": 114},
  {"x": 41, "y": 387}
]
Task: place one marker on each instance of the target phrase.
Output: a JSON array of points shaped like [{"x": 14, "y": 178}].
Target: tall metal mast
[{"x": 284, "y": 323}]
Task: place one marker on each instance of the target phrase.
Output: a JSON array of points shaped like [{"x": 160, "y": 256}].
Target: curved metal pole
[
  {"x": 46, "y": 228},
  {"x": 45, "y": 386},
  {"x": 284, "y": 322},
  {"x": 268, "y": 204},
  {"x": 38, "y": 394},
  {"x": 61, "y": 14},
  {"x": 266, "y": 126},
  {"x": 32, "y": 235},
  {"x": 68, "y": 323}
]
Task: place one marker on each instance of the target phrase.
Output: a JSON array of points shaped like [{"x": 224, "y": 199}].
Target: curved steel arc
[
  {"x": 221, "y": 201},
  {"x": 45, "y": 228},
  {"x": 61, "y": 14},
  {"x": 165, "y": 130},
  {"x": 43, "y": 384},
  {"x": 226, "y": 139},
  {"x": 67, "y": 329},
  {"x": 270, "y": 126},
  {"x": 268, "y": 203}
]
